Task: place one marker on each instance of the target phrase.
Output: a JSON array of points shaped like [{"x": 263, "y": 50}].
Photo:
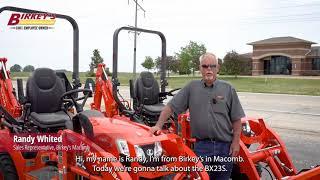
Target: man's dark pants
[{"x": 208, "y": 150}]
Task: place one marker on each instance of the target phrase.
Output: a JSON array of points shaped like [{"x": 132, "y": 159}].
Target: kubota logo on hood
[{"x": 32, "y": 21}]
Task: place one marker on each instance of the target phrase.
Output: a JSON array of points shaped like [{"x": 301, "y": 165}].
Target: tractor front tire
[{"x": 7, "y": 168}]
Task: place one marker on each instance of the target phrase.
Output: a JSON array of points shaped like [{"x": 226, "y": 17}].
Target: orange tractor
[
  {"x": 260, "y": 147},
  {"x": 82, "y": 143}
]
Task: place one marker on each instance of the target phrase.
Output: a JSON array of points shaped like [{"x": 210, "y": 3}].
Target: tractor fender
[{"x": 6, "y": 146}]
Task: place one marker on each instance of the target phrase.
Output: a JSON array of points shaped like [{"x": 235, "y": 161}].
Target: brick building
[{"x": 285, "y": 55}]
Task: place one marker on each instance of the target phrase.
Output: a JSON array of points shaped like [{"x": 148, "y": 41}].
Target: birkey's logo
[
  {"x": 219, "y": 97},
  {"x": 32, "y": 21}
]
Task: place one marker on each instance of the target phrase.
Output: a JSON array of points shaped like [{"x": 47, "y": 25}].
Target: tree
[
  {"x": 247, "y": 64},
  {"x": 148, "y": 63},
  {"x": 189, "y": 57},
  {"x": 172, "y": 64},
  {"x": 220, "y": 61},
  {"x": 157, "y": 64},
  {"x": 15, "y": 68},
  {"x": 184, "y": 63},
  {"x": 232, "y": 64},
  {"x": 95, "y": 60},
  {"x": 108, "y": 71},
  {"x": 28, "y": 68}
]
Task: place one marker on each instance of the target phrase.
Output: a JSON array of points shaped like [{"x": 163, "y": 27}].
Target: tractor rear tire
[{"x": 7, "y": 168}]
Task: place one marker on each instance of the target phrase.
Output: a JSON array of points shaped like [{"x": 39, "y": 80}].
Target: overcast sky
[{"x": 220, "y": 25}]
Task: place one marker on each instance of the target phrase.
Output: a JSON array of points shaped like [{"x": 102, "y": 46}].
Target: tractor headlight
[
  {"x": 157, "y": 149},
  {"x": 122, "y": 146},
  {"x": 140, "y": 153}
]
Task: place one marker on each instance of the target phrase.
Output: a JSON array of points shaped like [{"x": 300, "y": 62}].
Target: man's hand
[
  {"x": 234, "y": 148},
  {"x": 164, "y": 115},
  {"x": 155, "y": 130}
]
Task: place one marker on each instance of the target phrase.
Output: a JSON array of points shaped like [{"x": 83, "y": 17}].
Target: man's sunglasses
[{"x": 206, "y": 66}]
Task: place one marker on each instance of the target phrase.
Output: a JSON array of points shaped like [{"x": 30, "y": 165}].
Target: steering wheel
[
  {"x": 170, "y": 93},
  {"x": 68, "y": 98}
]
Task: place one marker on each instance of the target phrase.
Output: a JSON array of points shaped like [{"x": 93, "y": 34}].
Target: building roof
[
  {"x": 281, "y": 40},
  {"x": 315, "y": 51}
]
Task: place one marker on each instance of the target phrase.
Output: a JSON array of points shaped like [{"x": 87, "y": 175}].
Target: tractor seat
[
  {"x": 49, "y": 120},
  {"x": 44, "y": 91},
  {"x": 154, "y": 109},
  {"x": 146, "y": 94}
]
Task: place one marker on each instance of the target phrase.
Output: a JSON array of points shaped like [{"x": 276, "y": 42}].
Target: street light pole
[
  {"x": 135, "y": 41},
  {"x": 135, "y": 37}
]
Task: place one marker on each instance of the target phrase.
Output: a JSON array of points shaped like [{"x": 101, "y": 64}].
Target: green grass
[
  {"x": 263, "y": 85},
  {"x": 23, "y": 75},
  {"x": 242, "y": 84},
  {"x": 254, "y": 84},
  {"x": 277, "y": 85}
]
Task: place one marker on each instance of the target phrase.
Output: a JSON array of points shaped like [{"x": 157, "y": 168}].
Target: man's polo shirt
[{"x": 212, "y": 109}]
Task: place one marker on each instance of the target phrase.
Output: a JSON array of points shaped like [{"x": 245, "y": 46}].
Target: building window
[
  {"x": 316, "y": 64},
  {"x": 278, "y": 65}
]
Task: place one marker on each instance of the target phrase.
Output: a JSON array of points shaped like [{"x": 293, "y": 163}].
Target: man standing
[{"x": 215, "y": 113}]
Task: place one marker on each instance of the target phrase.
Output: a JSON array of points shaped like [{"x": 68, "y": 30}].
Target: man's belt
[
  {"x": 206, "y": 139},
  {"x": 210, "y": 140}
]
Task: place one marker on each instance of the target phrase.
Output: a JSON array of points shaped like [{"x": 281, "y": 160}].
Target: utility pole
[{"x": 135, "y": 36}]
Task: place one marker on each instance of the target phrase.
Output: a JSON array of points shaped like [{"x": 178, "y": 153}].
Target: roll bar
[
  {"x": 163, "y": 81},
  {"x": 75, "y": 74}
]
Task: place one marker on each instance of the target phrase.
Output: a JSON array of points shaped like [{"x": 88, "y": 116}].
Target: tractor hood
[
  {"x": 111, "y": 133},
  {"x": 118, "y": 128}
]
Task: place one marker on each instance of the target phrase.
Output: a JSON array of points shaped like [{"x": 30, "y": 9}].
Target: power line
[
  {"x": 251, "y": 25},
  {"x": 305, "y": 7},
  {"x": 293, "y": 6},
  {"x": 280, "y": 16},
  {"x": 286, "y": 20}
]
